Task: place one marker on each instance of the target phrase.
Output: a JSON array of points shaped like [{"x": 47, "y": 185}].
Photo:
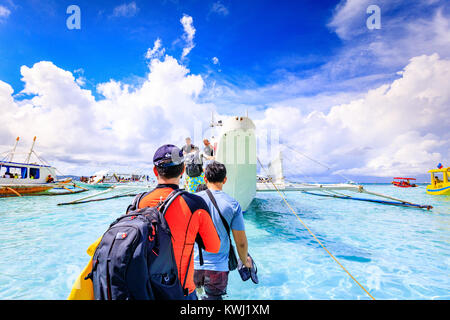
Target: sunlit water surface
[{"x": 396, "y": 253}]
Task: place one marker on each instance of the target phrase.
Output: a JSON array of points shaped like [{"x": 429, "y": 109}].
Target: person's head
[
  {"x": 188, "y": 141},
  {"x": 206, "y": 142},
  {"x": 215, "y": 175},
  {"x": 168, "y": 164}
]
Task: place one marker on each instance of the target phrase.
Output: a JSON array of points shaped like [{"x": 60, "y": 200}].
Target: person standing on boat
[
  {"x": 208, "y": 150},
  {"x": 188, "y": 147},
  {"x": 207, "y": 153},
  {"x": 212, "y": 276}
]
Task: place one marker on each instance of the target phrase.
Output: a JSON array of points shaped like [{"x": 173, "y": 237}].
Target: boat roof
[
  {"x": 405, "y": 178},
  {"x": 440, "y": 170},
  {"x": 9, "y": 163}
]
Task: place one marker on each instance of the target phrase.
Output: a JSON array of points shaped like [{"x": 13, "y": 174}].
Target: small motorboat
[
  {"x": 440, "y": 184},
  {"x": 403, "y": 182}
]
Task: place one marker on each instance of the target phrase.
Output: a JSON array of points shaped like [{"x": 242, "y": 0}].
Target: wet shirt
[
  {"x": 208, "y": 150},
  {"x": 232, "y": 212},
  {"x": 188, "y": 148},
  {"x": 187, "y": 216}
]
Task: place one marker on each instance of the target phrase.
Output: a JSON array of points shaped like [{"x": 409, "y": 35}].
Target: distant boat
[
  {"x": 404, "y": 182},
  {"x": 106, "y": 179},
  {"x": 25, "y": 178},
  {"x": 439, "y": 186}
]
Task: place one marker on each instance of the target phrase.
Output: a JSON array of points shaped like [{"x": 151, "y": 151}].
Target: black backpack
[
  {"x": 194, "y": 167},
  {"x": 135, "y": 258},
  {"x": 194, "y": 170}
]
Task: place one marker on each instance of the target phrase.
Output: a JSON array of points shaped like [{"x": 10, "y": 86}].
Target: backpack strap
[
  {"x": 168, "y": 201},
  {"x": 137, "y": 199},
  {"x": 231, "y": 253},
  {"x": 135, "y": 204},
  {"x": 224, "y": 221},
  {"x": 163, "y": 209}
]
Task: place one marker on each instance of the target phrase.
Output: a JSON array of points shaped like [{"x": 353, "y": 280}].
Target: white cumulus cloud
[
  {"x": 156, "y": 52},
  {"x": 397, "y": 128},
  {"x": 125, "y": 127},
  {"x": 394, "y": 129},
  {"x": 188, "y": 36}
]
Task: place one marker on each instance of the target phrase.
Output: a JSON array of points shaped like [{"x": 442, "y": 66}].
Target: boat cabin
[
  {"x": 439, "y": 177},
  {"x": 20, "y": 173},
  {"x": 440, "y": 184}
]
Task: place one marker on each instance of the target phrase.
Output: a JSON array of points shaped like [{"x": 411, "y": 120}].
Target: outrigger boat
[
  {"x": 236, "y": 148},
  {"x": 404, "y": 182},
  {"x": 106, "y": 179},
  {"x": 25, "y": 178},
  {"x": 439, "y": 186}
]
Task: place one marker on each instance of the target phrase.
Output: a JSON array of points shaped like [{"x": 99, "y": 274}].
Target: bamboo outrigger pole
[
  {"x": 14, "y": 191},
  {"x": 13, "y": 151},
  {"x": 87, "y": 197},
  {"x": 31, "y": 150}
]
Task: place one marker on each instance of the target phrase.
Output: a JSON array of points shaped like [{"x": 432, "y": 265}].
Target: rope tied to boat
[{"x": 313, "y": 235}]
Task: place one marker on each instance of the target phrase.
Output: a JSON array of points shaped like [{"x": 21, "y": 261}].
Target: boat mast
[
  {"x": 14, "y": 150},
  {"x": 31, "y": 150}
]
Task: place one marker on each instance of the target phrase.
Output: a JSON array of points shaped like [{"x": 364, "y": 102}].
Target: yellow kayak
[{"x": 82, "y": 289}]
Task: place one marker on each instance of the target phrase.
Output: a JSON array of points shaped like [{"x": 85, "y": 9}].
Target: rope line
[
  {"x": 316, "y": 161},
  {"x": 314, "y": 236}
]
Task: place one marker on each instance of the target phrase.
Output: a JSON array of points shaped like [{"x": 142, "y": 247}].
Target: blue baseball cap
[{"x": 168, "y": 155}]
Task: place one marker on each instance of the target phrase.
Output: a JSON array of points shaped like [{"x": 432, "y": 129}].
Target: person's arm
[{"x": 240, "y": 238}]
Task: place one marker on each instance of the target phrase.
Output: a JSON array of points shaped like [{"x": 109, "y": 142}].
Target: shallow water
[{"x": 396, "y": 253}]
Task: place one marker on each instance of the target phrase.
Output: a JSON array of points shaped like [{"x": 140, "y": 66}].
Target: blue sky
[
  {"x": 253, "y": 39},
  {"x": 311, "y": 71}
]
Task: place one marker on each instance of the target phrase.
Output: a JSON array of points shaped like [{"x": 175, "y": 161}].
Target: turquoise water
[{"x": 396, "y": 253}]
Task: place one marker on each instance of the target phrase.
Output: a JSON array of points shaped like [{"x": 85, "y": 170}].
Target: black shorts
[{"x": 214, "y": 282}]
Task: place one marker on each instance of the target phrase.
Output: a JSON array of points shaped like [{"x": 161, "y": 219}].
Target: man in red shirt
[{"x": 188, "y": 216}]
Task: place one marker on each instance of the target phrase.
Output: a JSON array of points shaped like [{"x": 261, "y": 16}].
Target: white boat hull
[{"x": 236, "y": 149}]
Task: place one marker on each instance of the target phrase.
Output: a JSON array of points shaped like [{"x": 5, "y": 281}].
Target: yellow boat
[{"x": 439, "y": 186}]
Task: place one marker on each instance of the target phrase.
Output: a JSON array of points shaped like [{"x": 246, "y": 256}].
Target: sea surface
[{"x": 394, "y": 252}]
